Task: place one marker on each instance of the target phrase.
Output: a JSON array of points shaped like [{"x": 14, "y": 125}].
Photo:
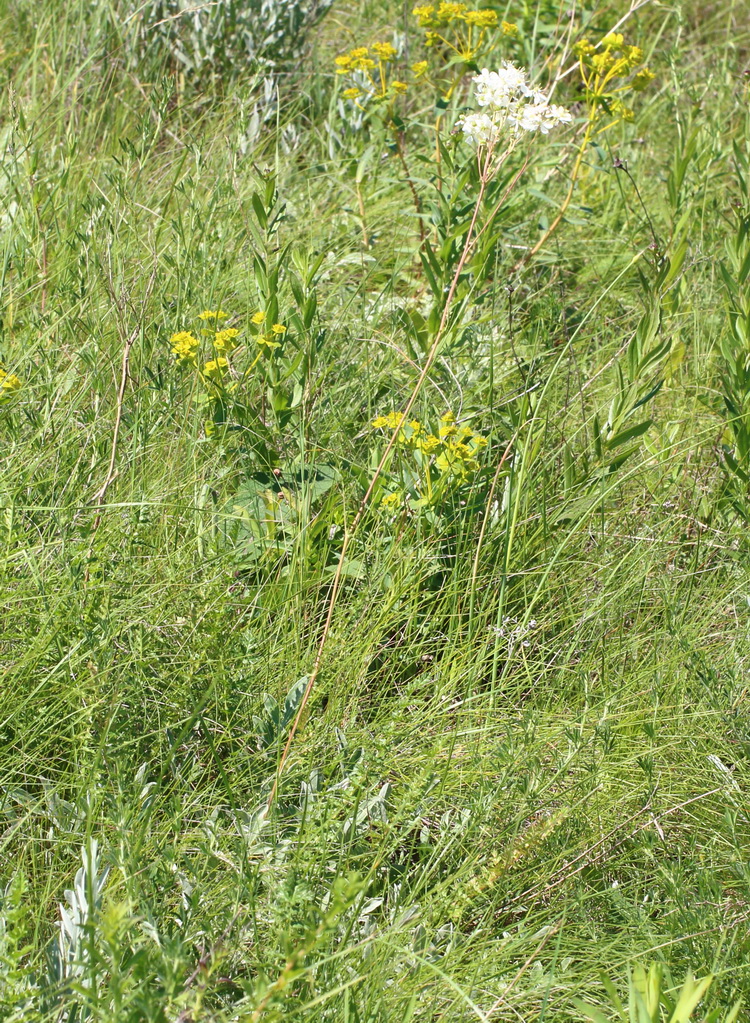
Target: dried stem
[{"x": 102, "y": 491}]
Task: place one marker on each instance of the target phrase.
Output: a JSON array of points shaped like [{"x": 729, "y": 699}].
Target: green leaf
[
  {"x": 260, "y": 212},
  {"x": 293, "y": 700},
  {"x": 597, "y": 437},
  {"x": 625, "y": 435},
  {"x": 691, "y": 994},
  {"x": 733, "y": 1013},
  {"x": 590, "y": 1011},
  {"x": 614, "y": 998}
]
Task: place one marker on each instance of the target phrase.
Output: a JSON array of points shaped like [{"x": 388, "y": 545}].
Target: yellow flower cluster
[
  {"x": 359, "y": 59},
  {"x": 10, "y": 384},
  {"x": 460, "y": 447},
  {"x": 267, "y": 338},
  {"x": 455, "y": 448},
  {"x": 392, "y": 501},
  {"x": 436, "y": 16},
  {"x": 602, "y": 66},
  {"x": 226, "y": 340},
  {"x": 384, "y": 52},
  {"x": 215, "y": 368},
  {"x": 460, "y": 28},
  {"x": 184, "y": 346}
]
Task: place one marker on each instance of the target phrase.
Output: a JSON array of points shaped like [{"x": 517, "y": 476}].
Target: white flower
[
  {"x": 558, "y": 115},
  {"x": 499, "y": 89},
  {"x": 479, "y": 129},
  {"x": 528, "y": 116},
  {"x": 539, "y": 115},
  {"x": 510, "y": 101}
]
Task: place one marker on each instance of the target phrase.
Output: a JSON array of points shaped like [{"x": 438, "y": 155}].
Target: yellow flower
[
  {"x": 9, "y": 384},
  {"x": 355, "y": 60},
  {"x": 424, "y": 12},
  {"x": 278, "y": 328},
  {"x": 419, "y": 68},
  {"x": 390, "y": 421},
  {"x": 392, "y": 501},
  {"x": 384, "y": 51},
  {"x": 619, "y": 109},
  {"x": 184, "y": 345},
  {"x": 448, "y": 426},
  {"x": 183, "y": 336},
  {"x": 509, "y": 28},
  {"x": 484, "y": 19},
  {"x": 351, "y": 93},
  {"x": 215, "y": 368},
  {"x": 266, "y": 341},
  {"x": 448, "y": 12},
  {"x": 224, "y": 339},
  {"x": 258, "y": 318},
  {"x": 602, "y": 62},
  {"x": 399, "y": 87},
  {"x": 427, "y": 444},
  {"x": 613, "y": 41},
  {"x": 634, "y": 55},
  {"x": 583, "y": 49},
  {"x": 458, "y": 456},
  {"x": 643, "y": 79},
  {"x": 208, "y": 315}
]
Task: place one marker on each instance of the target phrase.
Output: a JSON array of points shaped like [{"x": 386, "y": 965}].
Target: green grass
[{"x": 524, "y": 762}]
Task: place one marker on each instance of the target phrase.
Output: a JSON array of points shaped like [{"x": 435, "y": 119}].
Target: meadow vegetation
[{"x": 374, "y": 505}]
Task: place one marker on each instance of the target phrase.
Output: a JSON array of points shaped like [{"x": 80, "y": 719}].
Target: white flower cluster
[
  {"x": 515, "y": 633},
  {"x": 509, "y": 101}
]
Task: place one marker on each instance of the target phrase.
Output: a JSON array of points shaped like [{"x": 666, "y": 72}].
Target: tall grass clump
[{"x": 375, "y": 440}]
